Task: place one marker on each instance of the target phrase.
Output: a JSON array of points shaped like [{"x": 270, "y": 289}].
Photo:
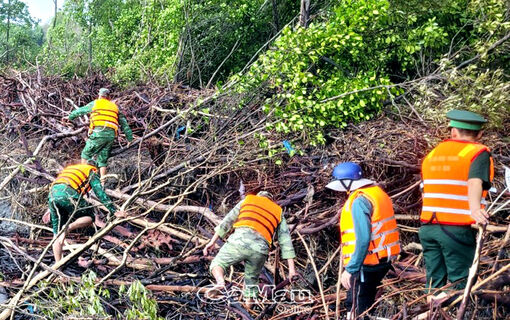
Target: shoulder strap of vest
[{"x": 366, "y": 194}]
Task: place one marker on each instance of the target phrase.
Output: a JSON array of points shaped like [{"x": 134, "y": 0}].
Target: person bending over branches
[
  {"x": 66, "y": 201},
  {"x": 255, "y": 220}
]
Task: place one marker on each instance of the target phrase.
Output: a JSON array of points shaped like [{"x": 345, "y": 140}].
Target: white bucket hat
[{"x": 356, "y": 184}]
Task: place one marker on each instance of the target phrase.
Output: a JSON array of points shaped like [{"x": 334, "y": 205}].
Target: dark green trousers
[
  {"x": 63, "y": 201},
  {"x": 98, "y": 145},
  {"x": 448, "y": 252}
]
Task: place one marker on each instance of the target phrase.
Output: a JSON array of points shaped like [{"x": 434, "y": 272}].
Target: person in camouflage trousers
[
  {"x": 66, "y": 202},
  {"x": 255, "y": 220},
  {"x": 105, "y": 120}
]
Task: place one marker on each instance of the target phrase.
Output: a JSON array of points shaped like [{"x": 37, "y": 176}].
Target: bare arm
[{"x": 211, "y": 243}]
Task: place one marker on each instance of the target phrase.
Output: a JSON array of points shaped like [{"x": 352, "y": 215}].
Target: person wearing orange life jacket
[
  {"x": 456, "y": 176},
  {"x": 255, "y": 219},
  {"x": 105, "y": 121},
  {"x": 369, "y": 236},
  {"x": 66, "y": 202}
]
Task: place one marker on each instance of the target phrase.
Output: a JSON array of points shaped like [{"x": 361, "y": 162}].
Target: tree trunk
[
  {"x": 183, "y": 38},
  {"x": 8, "y": 28},
  {"x": 55, "y": 17},
  {"x": 90, "y": 46},
  {"x": 305, "y": 13},
  {"x": 276, "y": 19}
]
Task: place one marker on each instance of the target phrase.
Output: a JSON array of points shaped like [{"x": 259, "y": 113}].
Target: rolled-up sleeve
[{"x": 285, "y": 240}]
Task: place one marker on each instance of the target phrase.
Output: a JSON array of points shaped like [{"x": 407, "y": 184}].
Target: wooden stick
[
  {"x": 472, "y": 272},
  {"x": 206, "y": 212},
  {"x": 501, "y": 249},
  {"x": 27, "y": 224},
  {"x": 310, "y": 256},
  {"x": 6, "y": 313},
  {"x": 36, "y": 152},
  {"x": 483, "y": 282},
  {"x": 179, "y": 234},
  {"x": 114, "y": 282},
  {"x": 8, "y": 242},
  {"x": 338, "y": 283},
  {"x": 164, "y": 174}
]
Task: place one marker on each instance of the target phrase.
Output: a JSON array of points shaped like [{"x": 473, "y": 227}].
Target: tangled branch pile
[{"x": 181, "y": 175}]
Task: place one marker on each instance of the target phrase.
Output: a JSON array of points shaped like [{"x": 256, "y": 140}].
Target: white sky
[{"x": 42, "y": 9}]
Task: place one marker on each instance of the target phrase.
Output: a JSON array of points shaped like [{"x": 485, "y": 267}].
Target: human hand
[
  {"x": 346, "y": 279},
  {"x": 207, "y": 248},
  {"x": 480, "y": 216},
  {"x": 292, "y": 274}
]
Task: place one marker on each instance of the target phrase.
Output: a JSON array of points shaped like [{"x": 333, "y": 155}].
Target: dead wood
[{"x": 182, "y": 175}]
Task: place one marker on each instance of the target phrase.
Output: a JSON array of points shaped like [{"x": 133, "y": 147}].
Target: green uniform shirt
[
  {"x": 480, "y": 168},
  {"x": 64, "y": 197},
  {"x": 101, "y": 131},
  {"x": 97, "y": 187},
  {"x": 256, "y": 241},
  {"x": 64, "y": 190}
]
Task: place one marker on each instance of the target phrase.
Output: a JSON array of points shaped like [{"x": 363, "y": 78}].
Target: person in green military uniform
[
  {"x": 66, "y": 202},
  {"x": 255, "y": 220},
  {"x": 456, "y": 177},
  {"x": 105, "y": 120}
]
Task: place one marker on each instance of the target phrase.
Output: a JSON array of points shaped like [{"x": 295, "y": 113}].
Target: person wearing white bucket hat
[{"x": 369, "y": 236}]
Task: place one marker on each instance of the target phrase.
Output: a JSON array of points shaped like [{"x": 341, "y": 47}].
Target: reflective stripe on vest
[
  {"x": 104, "y": 114},
  {"x": 260, "y": 214},
  {"x": 76, "y": 176},
  {"x": 384, "y": 239},
  {"x": 445, "y": 173}
]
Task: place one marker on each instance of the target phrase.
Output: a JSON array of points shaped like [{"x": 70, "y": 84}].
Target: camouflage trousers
[
  {"x": 63, "y": 202},
  {"x": 235, "y": 251},
  {"x": 99, "y": 144}
]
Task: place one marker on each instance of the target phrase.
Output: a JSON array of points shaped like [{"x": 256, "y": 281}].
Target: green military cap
[
  {"x": 463, "y": 119},
  {"x": 104, "y": 92}
]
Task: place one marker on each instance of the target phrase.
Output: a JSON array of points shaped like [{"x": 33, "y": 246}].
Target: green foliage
[
  {"x": 83, "y": 299},
  {"x": 142, "y": 306},
  {"x": 341, "y": 69},
  {"x": 483, "y": 91},
  {"x": 490, "y": 24},
  {"x": 483, "y": 85},
  {"x": 221, "y": 38},
  {"x": 338, "y": 71},
  {"x": 64, "y": 50},
  {"x": 143, "y": 40},
  {"x": 86, "y": 299},
  {"x": 21, "y": 37},
  {"x": 189, "y": 41}
]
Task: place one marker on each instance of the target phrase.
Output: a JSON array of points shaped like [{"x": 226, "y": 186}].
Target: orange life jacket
[
  {"x": 384, "y": 239},
  {"x": 76, "y": 176},
  {"x": 445, "y": 173},
  {"x": 261, "y": 214},
  {"x": 104, "y": 114}
]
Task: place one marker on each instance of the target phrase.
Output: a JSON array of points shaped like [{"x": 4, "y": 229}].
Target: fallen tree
[{"x": 187, "y": 168}]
